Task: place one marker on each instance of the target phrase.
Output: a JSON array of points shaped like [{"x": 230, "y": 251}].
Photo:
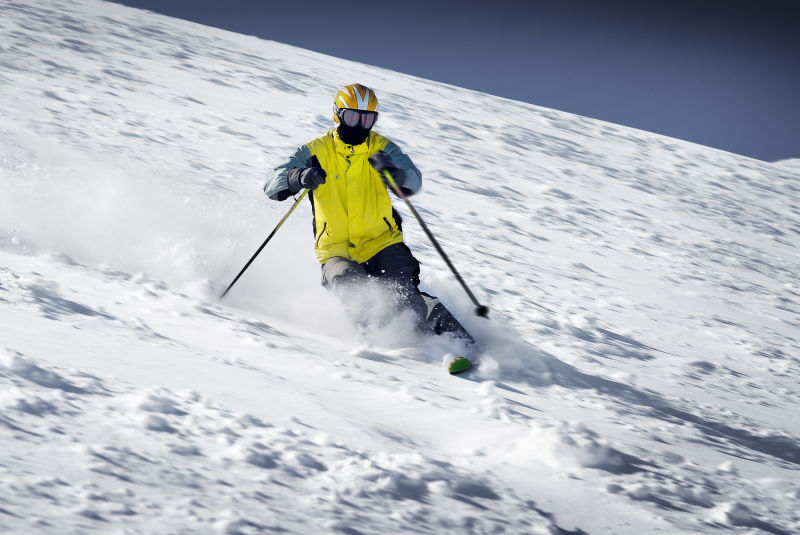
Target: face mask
[{"x": 353, "y": 135}]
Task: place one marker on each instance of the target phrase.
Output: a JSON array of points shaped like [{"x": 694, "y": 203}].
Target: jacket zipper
[
  {"x": 323, "y": 231},
  {"x": 389, "y": 224}
]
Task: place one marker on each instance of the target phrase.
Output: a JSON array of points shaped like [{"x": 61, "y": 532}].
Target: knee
[{"x": 338, "y": 272}]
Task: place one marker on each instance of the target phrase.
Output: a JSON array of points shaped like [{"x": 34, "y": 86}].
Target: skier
[{"x": 357, "y": 233}]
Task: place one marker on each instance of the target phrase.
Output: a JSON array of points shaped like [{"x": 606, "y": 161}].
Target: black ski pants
[{"x": 393, "y": 265}]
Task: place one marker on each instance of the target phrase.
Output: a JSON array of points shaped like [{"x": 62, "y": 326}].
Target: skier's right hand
[{"x": 305, "y": 178}]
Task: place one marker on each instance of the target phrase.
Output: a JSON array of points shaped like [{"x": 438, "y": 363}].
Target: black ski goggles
[{"x": 353, "y": 117}]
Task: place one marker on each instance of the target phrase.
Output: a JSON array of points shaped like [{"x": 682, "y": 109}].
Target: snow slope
[{"x": 641, "y": 364}]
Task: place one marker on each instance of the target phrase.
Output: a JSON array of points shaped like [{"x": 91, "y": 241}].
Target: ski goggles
[{"x": 353, "y": 117}]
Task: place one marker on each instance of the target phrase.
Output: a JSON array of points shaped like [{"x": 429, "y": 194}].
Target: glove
[
  {"x": 381, "y": 162},
  {"x": 305, "y": 178}
]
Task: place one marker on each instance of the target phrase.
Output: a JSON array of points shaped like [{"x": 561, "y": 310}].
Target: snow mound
[
  {"x": 792, "y": 165},
  {"x": 21, "y": 369},
  {"x": 571, "y": 446}
]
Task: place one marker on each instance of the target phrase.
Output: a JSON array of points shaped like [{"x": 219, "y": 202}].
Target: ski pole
[
  {"x": 480, "y": 310},
  {"x": 271, "y": 234}
]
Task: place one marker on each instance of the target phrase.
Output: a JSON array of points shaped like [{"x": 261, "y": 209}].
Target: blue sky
[{"x": 720, "y": 73}]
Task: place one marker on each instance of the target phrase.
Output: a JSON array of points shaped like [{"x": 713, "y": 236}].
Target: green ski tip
[{"x": 458, "y": 365}]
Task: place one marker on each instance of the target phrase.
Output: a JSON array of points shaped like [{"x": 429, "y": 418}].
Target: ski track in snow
[{"x": 640, "y": 367}]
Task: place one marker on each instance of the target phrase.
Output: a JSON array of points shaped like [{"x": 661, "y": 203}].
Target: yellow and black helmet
[{"x": 354, "y": 97}]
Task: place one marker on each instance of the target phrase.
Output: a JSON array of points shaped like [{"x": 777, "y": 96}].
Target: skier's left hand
[{"x": 381, "y": 162}]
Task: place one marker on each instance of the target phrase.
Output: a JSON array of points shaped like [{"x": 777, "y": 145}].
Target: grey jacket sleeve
[
  {"x": 277, "y": 188},
  {"x": 412, "y": 182}
]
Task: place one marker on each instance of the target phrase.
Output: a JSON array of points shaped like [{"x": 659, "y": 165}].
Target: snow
[
  {"x": 640, "y": 371},
  {"x": 791, "y": 165}
]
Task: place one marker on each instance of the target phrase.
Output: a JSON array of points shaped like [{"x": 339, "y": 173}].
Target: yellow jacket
[{"x": 353, "y": 215}]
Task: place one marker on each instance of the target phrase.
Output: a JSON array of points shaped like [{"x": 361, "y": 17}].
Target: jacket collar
[{"x": 343, "y": 148}]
